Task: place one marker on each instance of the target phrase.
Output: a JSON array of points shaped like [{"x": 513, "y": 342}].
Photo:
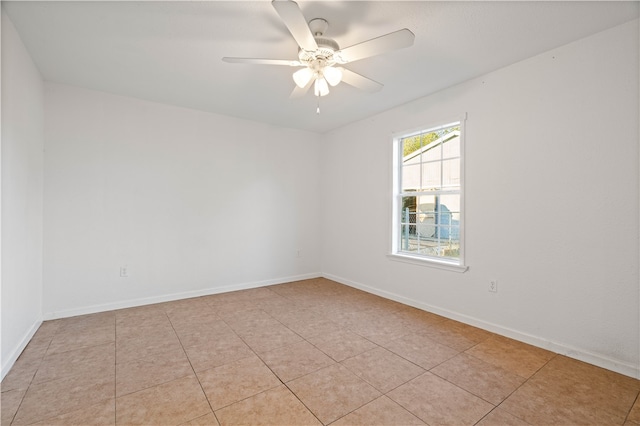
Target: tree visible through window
[{"x": 428, "y": 194}]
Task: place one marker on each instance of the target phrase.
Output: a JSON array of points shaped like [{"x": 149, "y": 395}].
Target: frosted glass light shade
[
  {"x": 303, "y": 77},
  {"x": 332, "y": 75},
  {"x": 321, "y": 88}
]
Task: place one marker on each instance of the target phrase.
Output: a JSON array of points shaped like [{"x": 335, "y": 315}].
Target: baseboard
[
  {"x": 13, "y": 357},
  {"x": 559, "y": 348},
  {"x": 131, "y": 303}
]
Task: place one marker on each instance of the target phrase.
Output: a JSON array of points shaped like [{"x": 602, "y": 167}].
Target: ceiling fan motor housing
[{"x": 326, "y": 48}]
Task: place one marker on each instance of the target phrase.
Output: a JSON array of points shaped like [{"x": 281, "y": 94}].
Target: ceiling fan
[{"x": 320, "y": 56}]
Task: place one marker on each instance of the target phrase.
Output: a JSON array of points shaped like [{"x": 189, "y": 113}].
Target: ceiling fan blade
[
  {"x": 376, "y": 46},
  {"x": 259, "y": 61},
  {"x": 359, "y": 81},
  {"x": 299, "y": 92},
  {"x": 295, "y": 21}
]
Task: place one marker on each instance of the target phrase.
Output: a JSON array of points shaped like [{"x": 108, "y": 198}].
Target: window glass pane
[
  {"x": 431, "y": 176},
  {"x": 411, "y": 145},
  {"x": 451, "y": 172},
  {"x": 451, "y": 147},
  {"x": 431, "y": 153},
  {"x": 408, "y": 223},
  {"x": 450, "y": 203},
  {"x": 425, "y": 224},
  {"x": 411, "y": 178}
]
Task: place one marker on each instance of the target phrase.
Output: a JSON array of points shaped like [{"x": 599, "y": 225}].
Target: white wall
[
  {"x": 22, "y": 153},
  {"x": 191, "y": 202},
  {"x": 551, "y": 202}
]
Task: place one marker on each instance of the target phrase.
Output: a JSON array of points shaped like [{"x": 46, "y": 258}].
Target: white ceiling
[{"x": 170, "y": 51}]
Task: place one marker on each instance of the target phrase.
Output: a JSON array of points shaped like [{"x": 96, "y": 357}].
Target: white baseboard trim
[
  {"x": 559, "y": 348},
  {"x": 13, "y": 357},
  {"x": 131, "y": 303}
]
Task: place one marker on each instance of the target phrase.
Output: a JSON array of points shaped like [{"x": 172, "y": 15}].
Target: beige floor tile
[
  {"x": 421, "y": 350},
  {"x": 9, "y": 403},
  {"x": 202, "y": 333},
  {"x": 519, "y": 358},
  {"x": 382, "y": 369},
  {"x": 37, "y": 346},
  {"x": 575, "y": 391},
  {"x": 491, "y": 383},
  {"x": 144, "y": 329},
  {"x": 448, "y": 334},
  {"x": 266, "y": 339},
  {"x": 152, "y": 370},
  {"x": 277, "y": 406},
  {"x": 436, "y": 401},
  {"x": 216, "y": 352},
  {"x": 78, "y": 337},
  {"x": 235, "y": 381},
  {"x": 77, "y": 362},
  {"x": 280, "y": 304},
  {"x": 634, "y": 414},
  {"x": 47, "y": 330},
  {"x": 332, "y": 392},
  {"x": 563, "y": 369},
  {"x": 342, "y": 344},
  {"x": 185, "y": 320},
  {"x": 186, "y": 308},
  {"x": 537, "y": 406},
  {"x": 307, "y": 323},
  {"x": 376, "y": 326},
  {"x": 293, "y": 361},
  {"x": 308, "y": 329},
  {"x": 381, "y": 335},
  {"x": 102, "y": 413},
  {"x": 170, "y": 403},
  {"x": 142, "y": 316},
  {"x": 55, "y": 397},
  {"x": 246, "y": 321},
  {"x": 475, "y": 334},
  {"x": 140, "y": 347},
  {"x": 225, "y": 309},
  {"x": 499, "y": 417},
  {"x": 143, "y": 311},
  {"x": 544, "y": 400},
  {"x": 85, "y": 322},
  {"x": 67, "y": 374},
  {"x": 416, "y": 319},
  {"x": 379, "y": 412},
  {"x": 21, "y": 374},
  {"x": 206, "y": 420}
]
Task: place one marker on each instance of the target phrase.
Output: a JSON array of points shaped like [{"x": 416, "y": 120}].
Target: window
[{"x": 428, "y": 202}]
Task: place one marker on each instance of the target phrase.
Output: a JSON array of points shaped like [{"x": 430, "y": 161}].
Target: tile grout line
[
  {"x": 191, "y": 365},
  {"x": 635, "y": 401},
  {"x": 521, "y": 385},
  {"x": 34, "y": 373}
]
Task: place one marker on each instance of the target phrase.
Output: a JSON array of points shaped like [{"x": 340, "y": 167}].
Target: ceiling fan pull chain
[{"x": 318, "y": 108}]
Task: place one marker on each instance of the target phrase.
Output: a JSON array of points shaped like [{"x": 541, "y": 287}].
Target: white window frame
[{"x": 456, "y": 265}]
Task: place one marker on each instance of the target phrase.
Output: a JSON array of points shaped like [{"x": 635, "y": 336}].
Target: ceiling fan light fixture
[
  {"x": 302, "y": 77},
  {"x": 332, "y": 75},
  {"x": 321, "y": 88}
]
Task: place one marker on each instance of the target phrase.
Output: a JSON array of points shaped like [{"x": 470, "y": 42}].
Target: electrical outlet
[
  {"x": 124, "y": 271},
  {"x": 493, "y": 286}
]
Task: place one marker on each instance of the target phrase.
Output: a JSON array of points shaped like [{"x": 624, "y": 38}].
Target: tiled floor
[{"x": 304, "y": 353}]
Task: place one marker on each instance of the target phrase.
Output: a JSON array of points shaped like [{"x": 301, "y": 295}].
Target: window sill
[{"x": 420, "y": 261}]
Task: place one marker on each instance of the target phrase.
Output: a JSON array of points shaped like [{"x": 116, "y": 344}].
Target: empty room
[{"x": 320, "y": 212}]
